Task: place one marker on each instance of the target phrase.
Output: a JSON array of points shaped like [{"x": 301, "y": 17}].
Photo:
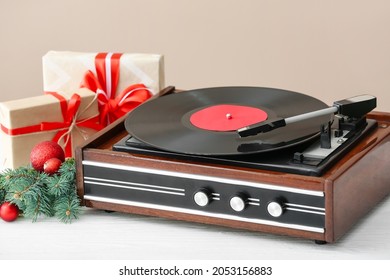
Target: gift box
[
  {"x": 119, "y": 80},
  {"x": 68, "y": 119}
]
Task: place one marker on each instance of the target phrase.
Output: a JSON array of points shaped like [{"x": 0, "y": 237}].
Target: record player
[{"x": 258, "y": 159}]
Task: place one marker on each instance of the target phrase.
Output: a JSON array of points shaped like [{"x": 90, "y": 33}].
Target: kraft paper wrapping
[
  {"x": 63, "y": 71},
  {"x": 15, "y": 149}
]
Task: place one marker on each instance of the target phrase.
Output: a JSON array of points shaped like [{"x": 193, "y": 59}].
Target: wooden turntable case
[{"x": 352, "y": 187}]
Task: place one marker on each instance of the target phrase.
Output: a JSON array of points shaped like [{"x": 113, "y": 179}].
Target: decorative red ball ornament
[
  {"x": 9, "y": 212},
  {"x": 52, "y": 166},
  {"x": 44, "y": 151}
]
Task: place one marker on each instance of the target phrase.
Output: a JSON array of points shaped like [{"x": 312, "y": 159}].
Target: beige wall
[{"x": 328, "y": 49}]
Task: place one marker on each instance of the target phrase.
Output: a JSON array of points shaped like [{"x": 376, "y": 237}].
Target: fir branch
[
  {"x": 25, "y": 186},
  {"x": 2, "y": 195},
  {"x": 58, "y": 185},
  {"x": 37, "y": 193},
  {"x": 3, "y": 191},
  {"x": 67, "y": 207},
  {"x": 37, "y": 202},
  {"x": 68, "y": 169},
  {"x": 10, "y": 175}
]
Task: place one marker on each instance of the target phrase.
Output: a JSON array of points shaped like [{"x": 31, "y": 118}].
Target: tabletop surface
[{"x": 99, "y": 235}]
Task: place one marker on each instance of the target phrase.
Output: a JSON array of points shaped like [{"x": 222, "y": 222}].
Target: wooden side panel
[
  {"x": 361, "y": 188},
  {"x": 361, "y": 183}
]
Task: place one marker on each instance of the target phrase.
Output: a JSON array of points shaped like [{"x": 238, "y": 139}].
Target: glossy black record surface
[{"x": 164, "y": 122}]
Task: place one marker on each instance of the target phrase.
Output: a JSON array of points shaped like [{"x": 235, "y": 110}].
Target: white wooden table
[{"x": 117, "y": 236}]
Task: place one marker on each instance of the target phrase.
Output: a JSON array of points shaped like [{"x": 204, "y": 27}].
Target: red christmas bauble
[
  {"x": 44, "y": 151},
  {"x": 52, "y": 166},
  {"x": 9, "y": 212}
]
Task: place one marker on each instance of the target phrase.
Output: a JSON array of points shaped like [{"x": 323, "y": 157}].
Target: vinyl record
[{"x": 204, "y": 121}]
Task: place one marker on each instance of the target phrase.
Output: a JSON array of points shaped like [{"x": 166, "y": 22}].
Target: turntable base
[{"x": 341, "y": 196}]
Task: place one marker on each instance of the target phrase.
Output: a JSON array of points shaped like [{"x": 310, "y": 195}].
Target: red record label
[{"x": 226, "y": 117}]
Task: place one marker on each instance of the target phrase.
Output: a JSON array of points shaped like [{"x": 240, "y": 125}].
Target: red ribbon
[
  {"x": 69, "y": 113},
  {"x": 111, "y": 105}
]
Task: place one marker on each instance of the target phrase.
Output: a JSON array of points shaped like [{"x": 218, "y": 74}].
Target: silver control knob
[
  {"x": 275, "y": 209},
  {"x": 202, "y": 198},
  {"x": 237, "y": 203}
]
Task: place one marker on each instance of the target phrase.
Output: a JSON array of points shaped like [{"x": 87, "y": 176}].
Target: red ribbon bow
[
  {"x": 69, "y": 113},
  {"x": 105, "y": 82}
]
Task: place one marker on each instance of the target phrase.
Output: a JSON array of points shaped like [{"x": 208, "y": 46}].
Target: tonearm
[{"x": 354, "y": 107}]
